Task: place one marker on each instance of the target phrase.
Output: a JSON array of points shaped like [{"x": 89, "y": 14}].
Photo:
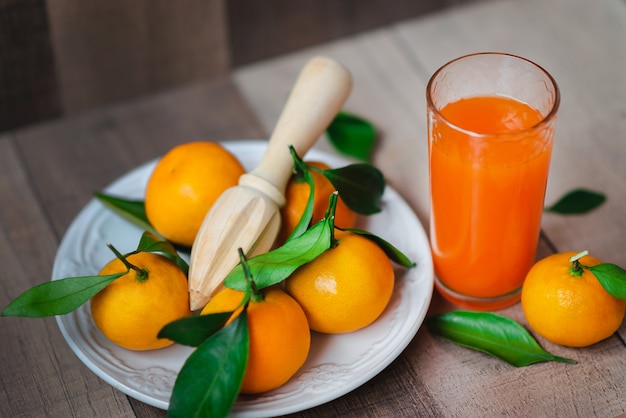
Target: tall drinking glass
[{"x": 491, "y": 119}]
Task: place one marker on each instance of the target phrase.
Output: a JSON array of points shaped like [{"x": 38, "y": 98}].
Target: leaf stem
[
  {"x": 299, "y": 165},
  {"x": 142, "y": 273},
  {"x": 255, "y": 294},
  {"x": 314, "y": 168},
  {"x": 330, "y": 215}
]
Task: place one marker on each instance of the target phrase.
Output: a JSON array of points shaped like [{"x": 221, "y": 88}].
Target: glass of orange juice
[{"x": 491, "y": 119}]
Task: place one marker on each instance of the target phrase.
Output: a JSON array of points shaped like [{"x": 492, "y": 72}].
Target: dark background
[{"x": 61, "y": 57}]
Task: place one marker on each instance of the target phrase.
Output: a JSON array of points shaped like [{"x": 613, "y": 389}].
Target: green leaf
[
  {"x": 392, "y": 252},
  {"x": 152, "y": 243},
  {"x": 303, "y": 174},
  {"x": 194, "y": 330},
  {"x": 58, "y": 297},
  {"x": 492, "y": 334},
  {"x": 209, "y": 382},
  {"x": 612, "y": 278},
  {"x": 352, "y": 135},
  {"x": 133, "y": 211},
  {"x": 361, "y": 186},
  {"x": 577, "y": 202},
  {"x": 275, "y": 266}
]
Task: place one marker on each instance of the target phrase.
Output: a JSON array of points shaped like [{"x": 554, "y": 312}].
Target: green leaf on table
[
  {"x": 577, "y": 202},
  {"x": 133, "y": 211},
  {"x": 195, "y": 329},
  {"x": 361, "y": 186},
  {"x": 275, "y": 266},
  {"x": 352, "y": 135},
  {"x": 209, "y": 382},
  {"x": 612, "y": 278},
  {"x": 392, "y": 252},
  {"x": 58, "y": 297},
  {"x": 152, "y": 243},
  {"x": 492, "y": 334}
]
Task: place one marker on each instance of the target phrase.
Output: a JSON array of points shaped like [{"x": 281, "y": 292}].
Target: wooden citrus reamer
[{"x": 247, "y": 216}]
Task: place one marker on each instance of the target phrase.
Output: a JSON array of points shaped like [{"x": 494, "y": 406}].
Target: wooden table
[{"x": 48, "y": 173}]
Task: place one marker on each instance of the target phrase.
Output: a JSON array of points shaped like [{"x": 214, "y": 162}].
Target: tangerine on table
[
  {"x": 567, "y": 309},
  {"x": 130, "y": 312},
  {"x": 184, "y": 185},
  {"x": 346, "y": 288},
  {"x": 297, "y": 194},
  {"x": 279, "y": 336}
]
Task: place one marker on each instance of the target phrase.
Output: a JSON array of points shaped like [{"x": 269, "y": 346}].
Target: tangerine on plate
[
  {"x": 279, "y": 336},
  {"x": 185, "y": 183},
  {"x": 131, "y": 311},
  {"x": 569, "y": 307},
  {"x": 297, "y": 194},
  {"x": 346, "y": 288}
]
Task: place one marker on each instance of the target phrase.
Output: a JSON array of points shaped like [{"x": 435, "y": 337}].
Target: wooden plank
[
  {"x": 106, "y": 52},
  {"x": 187, "y": 42},
  {"x": 260, "y": 30},
  {"x": 40, "y": 375},
  {"x": 28, "y": 88}
]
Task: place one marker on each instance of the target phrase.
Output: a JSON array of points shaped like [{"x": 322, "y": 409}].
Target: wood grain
[
  {"x": 106, "y": 52},
  {"x": 260, "y": 30},
  {"x": 28, "y": 84}
]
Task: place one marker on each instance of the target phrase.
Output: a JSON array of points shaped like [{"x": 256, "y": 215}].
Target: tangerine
[
  {"x": 278, "y": 333},
  {"x": 346, "y": 288},
  {"x": 297, "y": 195},
  {"x": 131, "y": 310},
  {"x": 185, "y": 183},
  {"x": 568, "y": 305}
]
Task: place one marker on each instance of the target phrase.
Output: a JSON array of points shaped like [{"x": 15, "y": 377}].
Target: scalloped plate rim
[{"x": 416, "y": 282}]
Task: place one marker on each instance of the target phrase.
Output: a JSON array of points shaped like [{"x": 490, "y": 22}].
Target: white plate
[{"x": 336, "y": 365}]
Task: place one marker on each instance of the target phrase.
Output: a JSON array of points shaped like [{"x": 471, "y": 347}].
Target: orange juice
[{"x": 489, "y": 158}]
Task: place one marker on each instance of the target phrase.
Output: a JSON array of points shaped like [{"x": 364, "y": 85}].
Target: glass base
[{"x": 478, "y": 304}]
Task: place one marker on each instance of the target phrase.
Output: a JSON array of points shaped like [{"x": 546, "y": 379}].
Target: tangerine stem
[
  {"x": 142, "y": 274},
  {"x": 576, "y": 269},
  {"x": 256, "y": 295}
]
